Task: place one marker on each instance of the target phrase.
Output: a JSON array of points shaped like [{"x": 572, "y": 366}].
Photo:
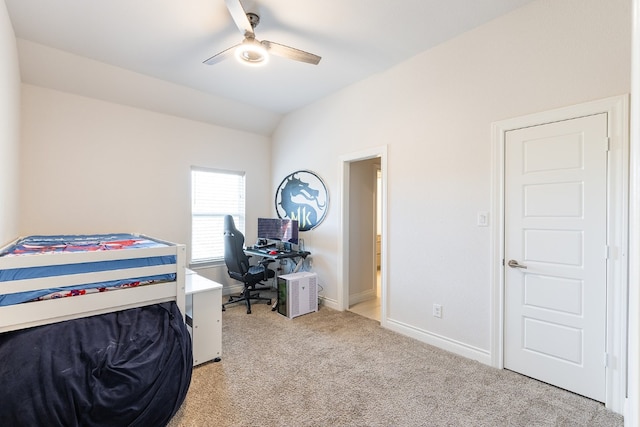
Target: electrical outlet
[{"x": 437, "y": 310}]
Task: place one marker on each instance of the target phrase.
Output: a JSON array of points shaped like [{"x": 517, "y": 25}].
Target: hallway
[{"x": 369, "y": 309}]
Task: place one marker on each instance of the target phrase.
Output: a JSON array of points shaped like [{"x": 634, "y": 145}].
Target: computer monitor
[{"x": 282, "y": 229}]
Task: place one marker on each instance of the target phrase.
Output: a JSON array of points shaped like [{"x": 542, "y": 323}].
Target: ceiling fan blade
[
  {"x": 291, "y": 53},
  {"x": 220, "y": 56},
  {"x": 240, "y": 17}
]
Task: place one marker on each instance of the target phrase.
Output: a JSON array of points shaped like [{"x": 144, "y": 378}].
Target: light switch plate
[{"x": 483, "y": 219}]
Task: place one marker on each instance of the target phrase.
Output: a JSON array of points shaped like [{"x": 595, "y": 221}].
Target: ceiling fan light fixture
[{"x": 251, "y": 52}]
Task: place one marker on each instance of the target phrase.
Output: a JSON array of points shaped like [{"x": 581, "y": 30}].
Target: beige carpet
[{"x": 334, "y": 368}]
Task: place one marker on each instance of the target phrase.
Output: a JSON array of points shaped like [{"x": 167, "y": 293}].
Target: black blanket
[{"x": 128, "y": 368}]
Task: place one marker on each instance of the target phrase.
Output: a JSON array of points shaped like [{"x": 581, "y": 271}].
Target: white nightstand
[{"x": 204, "y": 317}]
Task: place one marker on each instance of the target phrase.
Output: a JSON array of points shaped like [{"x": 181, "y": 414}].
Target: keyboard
[{"x": 262, "y": 250}]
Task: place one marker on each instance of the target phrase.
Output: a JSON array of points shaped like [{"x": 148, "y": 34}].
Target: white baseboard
[
  {"x": 233, "y": 289},
  {"x": 330, "y": 303},
  {"x": 444, "y": 343},
  {"x": 456, "y": 347},
  {"x": 362, "y": 296}
]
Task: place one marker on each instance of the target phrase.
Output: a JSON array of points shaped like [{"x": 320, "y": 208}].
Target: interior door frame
[
  {"x": 632, "y": 413},
  {"x": 343, "y": 234},
  {"x": 617, "y": 109}
]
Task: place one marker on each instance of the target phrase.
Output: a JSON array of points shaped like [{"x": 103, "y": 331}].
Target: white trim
[
  {"x": 343, "y": 233},
  {"x": 363, "y": 296},
  {"x": 330, "y": 302},
  {"x": 233, "y": 289},
  {"x": 617, "y": 109},
  {"x": 632, "y": 406},
  {"x": 442, "y": 342}
]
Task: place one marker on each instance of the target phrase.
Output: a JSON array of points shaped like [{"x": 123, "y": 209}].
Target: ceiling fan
[{"x": 252, "y": 51}]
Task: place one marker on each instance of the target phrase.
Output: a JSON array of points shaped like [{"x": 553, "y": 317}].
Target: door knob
[{"x": 514, "y": 264}]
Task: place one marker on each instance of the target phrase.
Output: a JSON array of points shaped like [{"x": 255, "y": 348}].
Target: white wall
[
  {"x": 434, "y": 112},
  {"x": 91, "y": 166},
  {"x": 9, "y": 129}
]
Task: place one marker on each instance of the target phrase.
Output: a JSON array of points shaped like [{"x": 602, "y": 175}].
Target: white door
[{"x": 555, "y": 253}]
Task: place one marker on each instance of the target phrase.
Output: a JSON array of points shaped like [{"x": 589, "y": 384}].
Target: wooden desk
[{"x": 204, "y": 317}]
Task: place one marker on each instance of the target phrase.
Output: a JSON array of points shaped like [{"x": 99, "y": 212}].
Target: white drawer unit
[{"x": 204, "y": 317}]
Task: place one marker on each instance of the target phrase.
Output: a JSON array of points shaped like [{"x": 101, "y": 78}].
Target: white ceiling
[{"x": 169, "y": 39}]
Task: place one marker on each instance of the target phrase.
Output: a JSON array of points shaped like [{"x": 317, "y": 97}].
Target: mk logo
[{"x": 302, "y": 216}]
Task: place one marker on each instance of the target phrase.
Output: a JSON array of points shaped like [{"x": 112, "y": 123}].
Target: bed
[{"x": 92, "y": 330}]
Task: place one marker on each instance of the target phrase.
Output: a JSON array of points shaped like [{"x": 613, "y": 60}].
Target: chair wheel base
[{"x": 249, "y": 296}]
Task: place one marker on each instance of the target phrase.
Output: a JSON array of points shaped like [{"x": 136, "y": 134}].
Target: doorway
[
  {"x": 362, "y": 241},
  {"x": 550, "y": 293},
  {"x": 365, "y": 238}
]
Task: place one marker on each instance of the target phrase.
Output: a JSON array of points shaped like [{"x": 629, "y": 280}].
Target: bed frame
[{"x": 26, "y": 315}]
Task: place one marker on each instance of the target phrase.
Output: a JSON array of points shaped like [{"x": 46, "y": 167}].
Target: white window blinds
[{"x": 214, "y": 194}]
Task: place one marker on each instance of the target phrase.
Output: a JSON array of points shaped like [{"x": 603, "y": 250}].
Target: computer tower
[{"x": 297, "y": 294}]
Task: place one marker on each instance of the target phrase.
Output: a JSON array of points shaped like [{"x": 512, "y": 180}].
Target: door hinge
[
  {"x": 606, "y": 360},
  {"x": 607, "y": 143},
  {"x": 607, "y": 252}
]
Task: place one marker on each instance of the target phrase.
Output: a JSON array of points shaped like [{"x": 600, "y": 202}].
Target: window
[{"x": 214, "y": 194}]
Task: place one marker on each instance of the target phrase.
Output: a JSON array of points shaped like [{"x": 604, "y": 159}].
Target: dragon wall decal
[{"x": 302, "y": 196}]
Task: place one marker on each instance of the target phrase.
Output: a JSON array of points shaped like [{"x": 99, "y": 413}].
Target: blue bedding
[
  {"x": 60, "y": 244},
  {"x": 128, "y": 368},
  {"x": 33, "y": 245}
]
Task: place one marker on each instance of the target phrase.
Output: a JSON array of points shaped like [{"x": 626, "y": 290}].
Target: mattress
[{"x": 59, "y": 245}]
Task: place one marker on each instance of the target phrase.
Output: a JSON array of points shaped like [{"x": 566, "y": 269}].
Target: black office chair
[{"x": 238, "y": 267}]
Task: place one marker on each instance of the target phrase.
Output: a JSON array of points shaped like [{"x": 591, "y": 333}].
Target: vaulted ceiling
[{"x": 64, "y": 44}]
